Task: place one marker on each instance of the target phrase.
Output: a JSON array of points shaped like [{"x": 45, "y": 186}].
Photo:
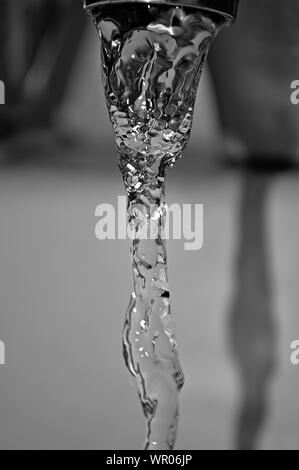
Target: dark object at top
[{"x": 228, "y": 8}]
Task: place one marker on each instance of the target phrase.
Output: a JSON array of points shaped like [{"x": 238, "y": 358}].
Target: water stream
[{"x": 152, "y": 59}]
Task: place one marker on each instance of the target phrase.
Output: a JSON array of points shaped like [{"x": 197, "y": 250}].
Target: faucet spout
[{"x": 226, "y": 8}]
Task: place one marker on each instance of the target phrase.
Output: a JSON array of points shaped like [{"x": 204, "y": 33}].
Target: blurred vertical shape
[
  {"x": 252, "y": 325},
  {"x": 252, "y": 67},
  {"x": 39, "y": 42},
  {"x": 16, "y": 61},
  {"x": 253, "y": 64}
]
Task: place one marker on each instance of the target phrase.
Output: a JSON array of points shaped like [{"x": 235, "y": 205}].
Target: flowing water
[{"x": 152, "y": 58}]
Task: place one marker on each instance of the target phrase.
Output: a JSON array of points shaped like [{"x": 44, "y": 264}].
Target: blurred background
[{"x": 65, "y": 385}]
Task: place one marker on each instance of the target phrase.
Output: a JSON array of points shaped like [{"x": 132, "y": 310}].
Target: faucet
[{"x": 226, "y": 8}]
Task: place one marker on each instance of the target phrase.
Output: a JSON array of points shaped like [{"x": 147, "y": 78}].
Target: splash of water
[{"x": 152, "y": 58}]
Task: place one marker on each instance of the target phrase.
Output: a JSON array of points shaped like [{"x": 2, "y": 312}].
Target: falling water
[{"x": 152, "y": 58}]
